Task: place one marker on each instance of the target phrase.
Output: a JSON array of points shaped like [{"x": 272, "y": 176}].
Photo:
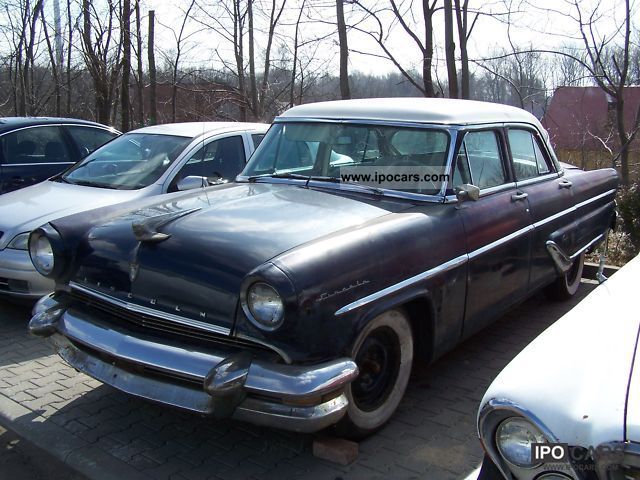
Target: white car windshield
[
  {"x": 352, "y": 153},
  {"x": 129, "y": 162}
]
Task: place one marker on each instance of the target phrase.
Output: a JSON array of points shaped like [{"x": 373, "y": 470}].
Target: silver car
[{"x": 144, "y": 162}]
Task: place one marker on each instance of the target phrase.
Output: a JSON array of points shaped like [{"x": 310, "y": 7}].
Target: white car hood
[
  {"x": 28, "y": 208},
  {"x": 574, "y": 376}
]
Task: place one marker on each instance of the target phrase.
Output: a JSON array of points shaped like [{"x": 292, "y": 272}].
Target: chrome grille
[{"x": 122, "y": 317}]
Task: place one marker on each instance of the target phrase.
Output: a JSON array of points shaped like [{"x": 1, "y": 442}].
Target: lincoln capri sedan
[{"x": 300, "y": 295}]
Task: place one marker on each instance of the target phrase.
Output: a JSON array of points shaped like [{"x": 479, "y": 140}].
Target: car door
[
  {"x": 550, "y": 199},
  {"x": 497, "y": 228},
  {"x": 33, "y": 154},
  {"x": 218, "y": 160}
]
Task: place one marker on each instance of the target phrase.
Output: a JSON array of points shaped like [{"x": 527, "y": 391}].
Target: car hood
[
  {"x": 215, "y": 238},
  {"x": 26, "y": 209},
  {"x": 574, "y": 376}
]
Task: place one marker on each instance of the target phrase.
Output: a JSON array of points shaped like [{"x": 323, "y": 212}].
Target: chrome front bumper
[
  {"x": 218, "y": 383},
  {"x": 19, "y": 278}
]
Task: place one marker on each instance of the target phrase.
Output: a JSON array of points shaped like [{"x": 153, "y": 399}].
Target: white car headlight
[
  {"x": 265, "y": 306},
  {"x": 514, "y": 437},
  {"x": 41, "y": 254},
  {"x": 20, "y": 242}
]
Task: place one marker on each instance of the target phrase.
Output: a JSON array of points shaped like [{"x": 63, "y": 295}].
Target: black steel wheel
[{"x": 384, "y": 355}]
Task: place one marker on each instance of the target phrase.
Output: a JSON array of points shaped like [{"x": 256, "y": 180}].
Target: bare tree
[
  {"x": 153, "y": 104},
  {"x": 139, "y": 70},
  {"x": 607, "y": 61},
  {"x": 450, "y": 50},
  {"x": 181, "y": 37},
  {"x": 464, "y": 32},
  {"x": 344, "y": 50},
  {"x": 102, "y": 53},
  {"x": 126, "y": 64},
  {"x": 401, "y": 12}
]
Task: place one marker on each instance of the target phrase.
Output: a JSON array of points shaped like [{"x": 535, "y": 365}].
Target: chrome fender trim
[{"x": 562, "y": 260}]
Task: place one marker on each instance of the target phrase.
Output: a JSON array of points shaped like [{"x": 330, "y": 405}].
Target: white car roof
[
  {"x": 194, "y": 129},
  {"x": 415, "y": 110}
]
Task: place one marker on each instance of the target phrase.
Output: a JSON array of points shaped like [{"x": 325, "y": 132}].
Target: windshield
[
  {"x": 131, "y": 161},
  {"x": 390, "y": 157}
]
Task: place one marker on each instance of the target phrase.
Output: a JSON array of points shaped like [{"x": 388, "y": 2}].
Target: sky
[{"x": 541, "y": 23}]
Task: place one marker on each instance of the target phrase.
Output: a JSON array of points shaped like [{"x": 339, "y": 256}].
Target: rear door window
[
  {"x": 528, "y": 159},
  {"x": 479, "y": 161},
  {"x": 35, "y": 145}
]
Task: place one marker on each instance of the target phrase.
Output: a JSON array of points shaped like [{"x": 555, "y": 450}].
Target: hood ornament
[{"x": 147, "y": 230}]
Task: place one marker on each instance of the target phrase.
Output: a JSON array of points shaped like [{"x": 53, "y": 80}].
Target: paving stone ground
[{"x": 431, "y": 436}]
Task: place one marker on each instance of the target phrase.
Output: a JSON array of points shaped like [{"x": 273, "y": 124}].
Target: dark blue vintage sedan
[{"x": 362, "y": 236}]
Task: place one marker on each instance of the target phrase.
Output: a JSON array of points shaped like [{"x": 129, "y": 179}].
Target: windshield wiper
[
  {"x": 61, "y": 179},
  {"x": 369, "y": 188},
  {"x": 295, "y": 176},
  {"x": 318, "y": 178}
]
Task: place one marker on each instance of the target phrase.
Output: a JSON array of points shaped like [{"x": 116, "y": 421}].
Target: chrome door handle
[
  {"x": 519, "y": 196},
  {"x": 565, "y": 184}
]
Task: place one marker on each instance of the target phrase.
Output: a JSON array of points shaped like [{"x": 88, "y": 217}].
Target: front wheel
[
  {"x": 566, "y": 286},
  {"x": 384, "y": 355}
]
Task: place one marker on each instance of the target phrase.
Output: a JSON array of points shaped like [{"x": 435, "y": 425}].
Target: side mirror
[
  {"x": 192, "y": 182},
  {"x": 467, "y": 192}
]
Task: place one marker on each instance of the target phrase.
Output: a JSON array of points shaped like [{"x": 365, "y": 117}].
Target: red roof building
[{"x": 581, "y": 124}]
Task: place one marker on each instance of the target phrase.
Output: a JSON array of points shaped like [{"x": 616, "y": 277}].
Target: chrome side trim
[
  {"x": 470, "y": 256},
  {"x": 497, "y": 188},
  {"x": 534, "y": 180},
  {"x": 38, "y": 163},
  {"x": 451, "y": 264},
  {"x": 61, "y": 124},
  {"x": 132, "y": 307},
  {"x": 597, "y": 197},
  {"x": 574, "y": 208},
  {"x": 562, "y": 260},
  {"x": 587, "y": 246},
  {"x": 497, "y": 243}
]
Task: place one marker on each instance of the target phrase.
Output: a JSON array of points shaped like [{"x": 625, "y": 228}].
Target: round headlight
[
  {"x": 265, "y": 306},
  {"x": 41, "y": 254},
  {"x": 514, "y": 437}
]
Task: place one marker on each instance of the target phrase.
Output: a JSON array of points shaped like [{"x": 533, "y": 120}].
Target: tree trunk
[
  {"x": 68, "y": 79},
  {"x": 345, "y": 91},
  {"x": 623, "y": 137},
  {"x": 463, "y": 32},
  {"x": 273, "y": 22},
  {"x": 126, "y": 64},
  {"x": 238, "y": 41},
  {"x": 427, "y": 61},
  {"x": 54, "y": 67},
  {"x": 253, "y": 84},
  {"x": 450, "y": 50},
  {"x": 140, "y": 83},
  {"x": 295, "y": 58},
  {"x": 153, "y": 112}
]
